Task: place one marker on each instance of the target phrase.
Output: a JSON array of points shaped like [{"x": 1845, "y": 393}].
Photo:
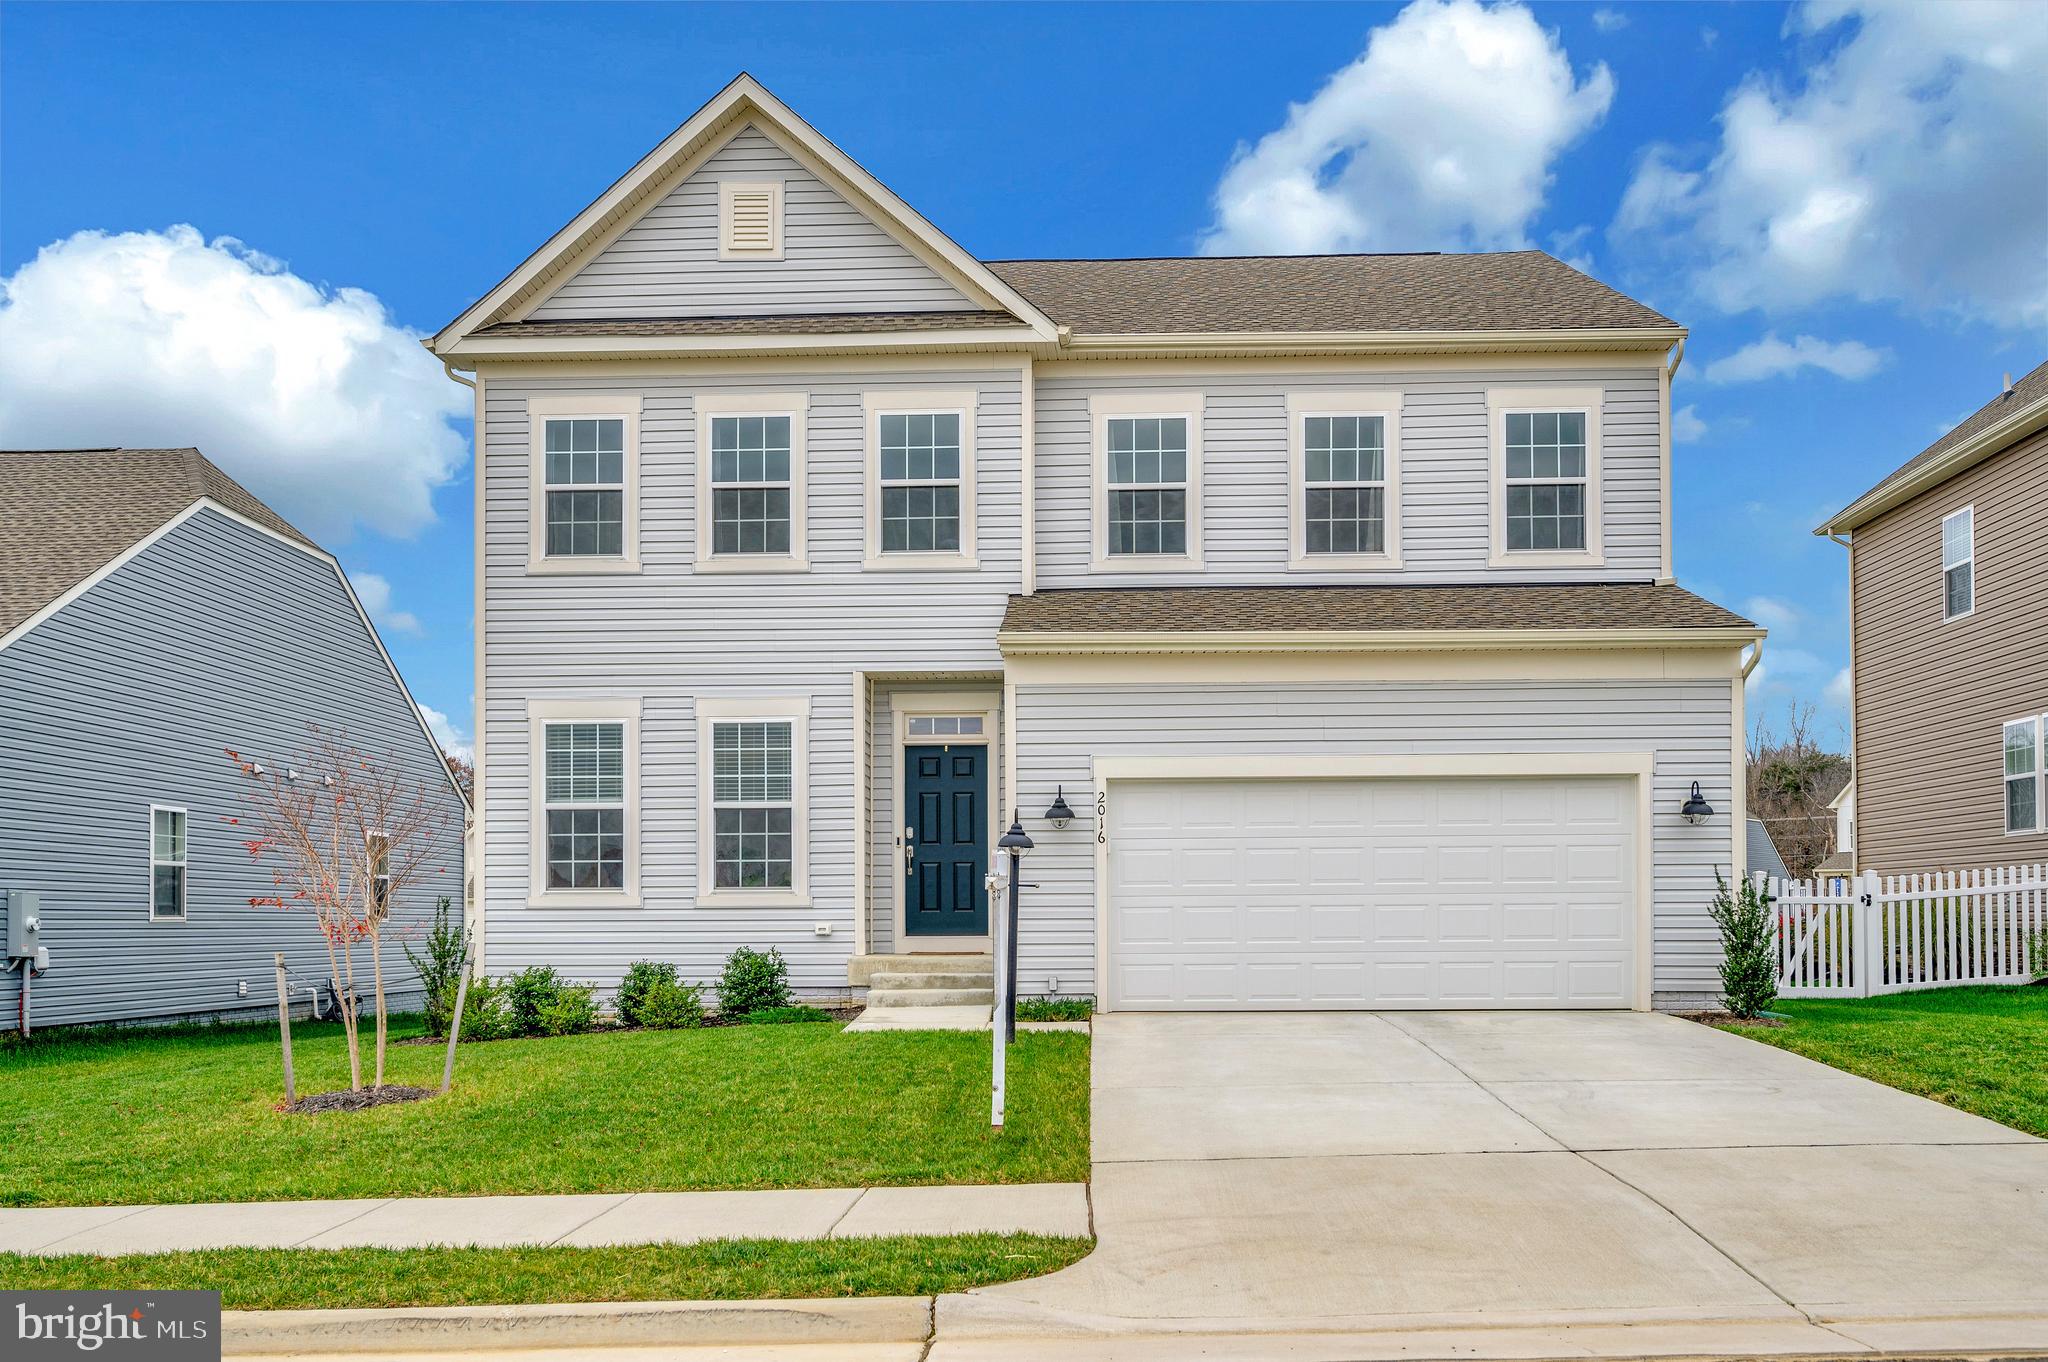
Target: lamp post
[{"x": 1016, "y": 842}]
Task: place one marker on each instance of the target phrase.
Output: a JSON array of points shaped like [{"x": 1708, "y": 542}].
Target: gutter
[{"x": 1049, "y": 642}]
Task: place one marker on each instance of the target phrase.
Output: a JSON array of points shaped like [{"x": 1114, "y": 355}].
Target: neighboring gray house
[
  {"x": 153, "y": 614},
  {"x": 1763, "y": 852},
  {"x": 1333, "y": 594}
]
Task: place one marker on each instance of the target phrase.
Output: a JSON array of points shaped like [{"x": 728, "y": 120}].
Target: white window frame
[
  {"x": 726, "y": 190},
  {"x": 795, "y": 406},
  {"x": 539, "y": 714},
  {"x": 874, "y": 407},
  {"x": 2039, "y": 723},
  {"x": 1102, "y": 408},
  {"x": 713, "y": 710},
  {"x": 540, "y": 409},
  {"x": 1384, "y": 403},
  {"x": 373, "y": 859},
  {"x": 1500, "y": 403},
  {"x": 185, "y": 864},
  {"x": 1970, "y": 562}
]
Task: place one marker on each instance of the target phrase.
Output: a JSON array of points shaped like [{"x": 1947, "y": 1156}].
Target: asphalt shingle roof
[
  {"x": 69, "y": 512},
  {"x": 807, "y": 324},
  {"x": 2031, "y": 388}
]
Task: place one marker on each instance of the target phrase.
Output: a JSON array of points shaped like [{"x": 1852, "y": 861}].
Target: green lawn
[
  {"x": 191, "y": 1115},
  {"x": 728, "y": 1269},
  {"x": 1984, "y": 1050}
]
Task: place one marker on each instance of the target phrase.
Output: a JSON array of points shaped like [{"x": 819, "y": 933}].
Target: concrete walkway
[
  {"x": 1529, "y": 1183},
  {"x": 586, "y": 1221}
]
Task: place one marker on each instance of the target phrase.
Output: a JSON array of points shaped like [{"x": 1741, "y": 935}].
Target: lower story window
[
  {"x": 166, "y": 863},
  {"x": 2023, "y": 776},
  {"x": 753, "y": 804},
  {"x": 586, "y": 805}
]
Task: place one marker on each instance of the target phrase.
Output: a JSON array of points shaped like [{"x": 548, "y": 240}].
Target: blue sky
[{"x": 1761, "y": 173}]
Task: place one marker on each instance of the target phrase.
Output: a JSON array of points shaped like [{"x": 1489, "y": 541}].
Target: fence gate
[{"x": 1842, "y": 937}]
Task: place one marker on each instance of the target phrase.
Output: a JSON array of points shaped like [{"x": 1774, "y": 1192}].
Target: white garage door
[{"x": 1371, "y": 893}]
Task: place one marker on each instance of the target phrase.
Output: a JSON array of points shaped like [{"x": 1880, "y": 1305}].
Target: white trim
[
  {"x": 963, "y": 403},
  {"x": 1027, "y": 399},
  {"x": 1499, "y": 403},
  {"x": 902, "y": 706},
  {"x": 1384, "y": 403},
  {"x": 863, "y": 809},
  {"x": 544, "y": 407},
  {"x": 474, "y": 908},
  {"x": 1639, "y": 766},
  {"x": 727, "y": 191},
  {"x": 1908, "y": 482},
  {"x": 623, "y": 710},
  {"x": 1102, "y": 408},
  {"x": 796, "y": 709},
  {"x": 185, "y": 863},
  {"x": 2039, "y": 724},
  {"x": 1029, "y": 642},
  {"x": 796, "y": 406},
  {"x": 1970, "y": 562}
]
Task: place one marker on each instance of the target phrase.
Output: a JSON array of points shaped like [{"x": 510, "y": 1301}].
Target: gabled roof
[
  {"x": 1763, "y": 852},
  {"x": 743, "y": 101},
  {"x": 70, "y": 512},
  {"x": 2014, "y": 414}
]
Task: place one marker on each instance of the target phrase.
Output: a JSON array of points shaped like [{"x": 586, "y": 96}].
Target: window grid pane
[
  {"x": 752, "y": 848},
  {"x": 586, "y": 848},
  {"x": 750, "y": 479},
  {"x": 1958, "y": 591},
  {"x": 920, "y": 477},
  {"x": 753, "y": 762},
  {"x": 586, "y": 763},
  {"x": 167, "y": 891},
  {"x": 1546, "y": 475},
  {"x": 1958, "y": 538}
]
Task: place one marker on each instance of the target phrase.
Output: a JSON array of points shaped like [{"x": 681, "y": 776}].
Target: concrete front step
[
  {"x": 894, "y": 982},
  {"x": 862, "y": 968},
  {"x": 931, "y": 997}
]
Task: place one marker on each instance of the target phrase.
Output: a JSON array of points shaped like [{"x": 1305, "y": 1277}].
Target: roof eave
[
  {"x": 1029, "y": 642},
  {"x": 1902, "y": 486},
  {"x": 486, "y": 349},
  {"x": 1652, "y": 338}
]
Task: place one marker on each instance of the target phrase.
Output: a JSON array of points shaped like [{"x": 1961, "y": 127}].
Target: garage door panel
[{"x": 1294, "y": 894}]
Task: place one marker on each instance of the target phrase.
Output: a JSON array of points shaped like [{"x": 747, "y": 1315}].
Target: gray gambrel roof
[{"x": 70, "y": 512}]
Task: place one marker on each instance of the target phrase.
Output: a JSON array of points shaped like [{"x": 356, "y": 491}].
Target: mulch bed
[
  {"x": 1718, "y": 1018},
  {"x": 356, "y": 1101}
]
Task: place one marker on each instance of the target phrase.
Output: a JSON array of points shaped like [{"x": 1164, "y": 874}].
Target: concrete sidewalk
[{"x": 582, "y": 1221}]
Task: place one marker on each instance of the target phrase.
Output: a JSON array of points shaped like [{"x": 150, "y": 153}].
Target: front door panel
[{"x": 945, "y": 812}]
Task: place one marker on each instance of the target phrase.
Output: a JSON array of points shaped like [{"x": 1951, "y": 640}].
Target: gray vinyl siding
[
  {"x": 671, "y": 636},
  {"x": 216, "y": 636},
  {"x": 1444, "y": 468},
  {"x": 835, "y": 258},
  {"x": 1061, "y": 730}
]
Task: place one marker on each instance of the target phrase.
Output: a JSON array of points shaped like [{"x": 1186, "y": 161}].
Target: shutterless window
[
  {"x": 944, "y": 725},
  {"x": 586, "y": 487},
  {"x": 380, "y": 869},
  {"x": 1345, "y": 468},
  {"x": 753, "y": 796},
  {"x": 921, "y": 483},
  {"x": 750, "y": 486},
  {"x": 586, "y": 805},
  {"x": 167, "y": 863},
  {"x": 1959, "y": 563},
  {"x": 1148, "y": 485},
  {"x": 2023, "y": 776},
  {"x": 1546, "y": 480}
]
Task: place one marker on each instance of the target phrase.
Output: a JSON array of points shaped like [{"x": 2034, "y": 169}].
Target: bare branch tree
[{"x": 1790, "y": 780}]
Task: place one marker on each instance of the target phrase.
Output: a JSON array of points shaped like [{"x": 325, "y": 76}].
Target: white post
[
  {"x": 1868, "y": 928},
  {"x": 998, "y": 883}
]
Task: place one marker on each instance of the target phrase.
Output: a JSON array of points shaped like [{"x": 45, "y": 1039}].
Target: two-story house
[
  {"x": 1332, "y": 595},
  {"x": 1948, "y": 647}
]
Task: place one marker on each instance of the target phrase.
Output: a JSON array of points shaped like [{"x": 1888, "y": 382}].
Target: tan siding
[{"x": 1931, "y": 697}]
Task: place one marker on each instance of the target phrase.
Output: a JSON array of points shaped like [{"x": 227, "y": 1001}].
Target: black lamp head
[
  {"x": 1696, "y": 809},
  {"x": 1059, "y": 815},
  {"x": 1016, "y": 841}
]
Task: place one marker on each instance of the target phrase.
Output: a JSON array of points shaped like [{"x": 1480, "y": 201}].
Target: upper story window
[
  {"x": 1148, "y": 482},
  {"x": 753, "y": 780},
  {"x": 1344, "y": 503},
  {"x": 749, "y": 220},
  {"x": 750, "y": 487},
  {"x": 166, "y": 863},
  {"x": 2023, "y": 775},
  {"x": 585, "y": 470},
  {"x": 585, "y": 800},
  {"x": 1546, "y": 494},
  {"x": 920, "y": 494},
  {"x": 1959, "y": 563}
]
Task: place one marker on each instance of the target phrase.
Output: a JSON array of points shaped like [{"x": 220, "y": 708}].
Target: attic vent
[{"x": 749, "y": 221}]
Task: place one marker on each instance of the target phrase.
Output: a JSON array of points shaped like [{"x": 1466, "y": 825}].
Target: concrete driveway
[{"x": 1587, "y": 1182}]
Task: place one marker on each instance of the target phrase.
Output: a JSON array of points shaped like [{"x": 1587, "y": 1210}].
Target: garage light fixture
[
  {"x": 1059, "y": 815},
  {"x": 1697, "y": 810}
]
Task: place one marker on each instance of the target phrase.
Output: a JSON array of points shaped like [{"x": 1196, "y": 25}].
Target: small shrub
[
  {"x": 642, "y": 976},
  {"x": 439, "y": 965},
  {"x": 526, "y": 994},
  {"x": 484, "y": 1014},
  {"x": 570, "y": 1012},
  {"x": 2037, "y": 955},
  {"x": 753, "y": 981},
  {"x": 1749, "y": 968},
  {"x": 779, "y": 1016},
  {"x": 1055, "y": 1009},
  {"x": 671, "y": 1006}
]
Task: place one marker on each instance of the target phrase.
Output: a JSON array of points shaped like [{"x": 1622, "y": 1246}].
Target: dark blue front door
[{"x": 945, "y": 812}]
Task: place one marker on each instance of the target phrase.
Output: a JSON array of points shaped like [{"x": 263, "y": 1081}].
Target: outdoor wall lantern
[
  {"x": 1059, "y": 815},
  {"x": 1697, "y": 810},
  {"x": 1016, "y": 841}
]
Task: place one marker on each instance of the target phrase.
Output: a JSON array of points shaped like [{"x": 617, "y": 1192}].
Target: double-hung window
[
  {"x": 1959, "y": 563},
  {"x": 585, "y": 773},
  {"x": 1345, "y": 506},
  {"x": 2023, "y": 775},
  {"x": 1147, "y": 498},
  {"x": 379, "y": 859},
  {"x": 166, "y": 863},
  {"x": 750, "y": 486},
  {"x": 585, "y": 482},
  {"x": 752, "y": 783},
  {"x": 1547, "y": 490},
  {"x": 920, "y": 496}
]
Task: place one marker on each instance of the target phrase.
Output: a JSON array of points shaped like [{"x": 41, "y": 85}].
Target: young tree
[{"x": 348, "y": 836}]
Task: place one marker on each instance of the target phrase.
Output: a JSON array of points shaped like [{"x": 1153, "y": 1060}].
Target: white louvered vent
[{"x": 750, "y": 221}]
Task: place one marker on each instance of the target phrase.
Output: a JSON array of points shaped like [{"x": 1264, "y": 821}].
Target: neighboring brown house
[{"x": 1948, "y": 602}]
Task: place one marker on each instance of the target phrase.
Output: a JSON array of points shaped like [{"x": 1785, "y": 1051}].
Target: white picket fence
[{"x": 1841, "y": 937}]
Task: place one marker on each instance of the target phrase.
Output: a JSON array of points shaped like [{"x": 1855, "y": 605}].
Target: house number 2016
[{"x": 1102, "y": 815}]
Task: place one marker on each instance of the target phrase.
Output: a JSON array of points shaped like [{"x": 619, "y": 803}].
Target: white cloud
[
  {"x": 1840, "y": 690},
  {"x": 375, "y": 594},
  {"x": 1687, "y": 425},
  {"x": 1902, "y": 165},
  {"x": 1780, "y": 617},
  {"x": 314, "y": 398},
  {"x": 1609, "y": 20},
  {"x": 1774, "y": 358},
  {"x": 1441, "y": 134},
  {"x": 452, "y": 739}
]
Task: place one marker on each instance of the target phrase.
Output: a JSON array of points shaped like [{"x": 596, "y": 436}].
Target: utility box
[{"x": 24, "y": 923}]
